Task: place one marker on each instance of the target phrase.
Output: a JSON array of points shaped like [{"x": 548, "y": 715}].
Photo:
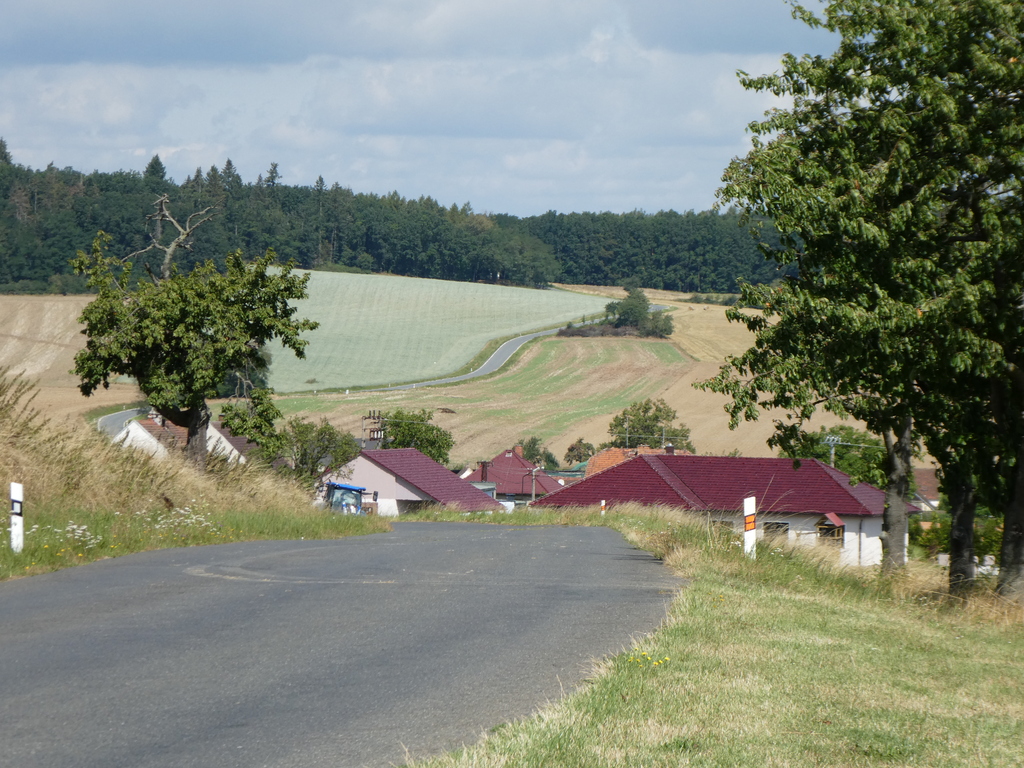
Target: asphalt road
[{"x": 312, "y": 653}]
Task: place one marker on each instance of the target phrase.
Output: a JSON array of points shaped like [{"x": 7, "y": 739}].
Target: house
[
  {"x": 514, "y": 478},
  {"x": 809, "y": 504},
  {"x": 609, "y": 457},
  {"x": 156, "y": 436},
  {"x": 927, "y": 482},
  {"x": 403, "y": 479}
]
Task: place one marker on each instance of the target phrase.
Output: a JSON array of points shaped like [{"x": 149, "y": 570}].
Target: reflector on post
[
  {"x": 749, "y": 527},
  {"x": 17, "y": 518}
]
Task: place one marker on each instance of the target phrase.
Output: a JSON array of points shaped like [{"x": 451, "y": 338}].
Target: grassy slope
[
  {"x": 87, "y": 499},
  {"x": 548, "y": 391},
  {"x": 784, "y": 662}
]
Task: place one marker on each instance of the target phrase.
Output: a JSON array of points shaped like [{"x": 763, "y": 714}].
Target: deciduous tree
[
  {"x": 648, "y": 422},
  {"x": 412, "y": 429},
  {"x": 894, "y": 179},
  {"x": 179, "y": 335}
]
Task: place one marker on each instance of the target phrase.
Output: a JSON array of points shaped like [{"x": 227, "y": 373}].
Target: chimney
[
  {"x": 670, "y": 449},
  {"x": 483, "y": 471},
  {"x": 518, "y": 450}
]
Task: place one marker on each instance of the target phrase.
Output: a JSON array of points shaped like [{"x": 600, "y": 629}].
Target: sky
[{"x": 514, "y": 106}]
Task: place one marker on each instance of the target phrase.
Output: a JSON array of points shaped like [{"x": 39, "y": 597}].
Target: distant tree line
[{"x": 47, "y": 215}]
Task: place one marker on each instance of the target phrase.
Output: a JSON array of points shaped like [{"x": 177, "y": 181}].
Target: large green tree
[
  {"x": 894, "y": 179},
  {"x": 179, "y": 334},
  {"x": 413, "y": 429},
  {"x": 648, "y": 422}
]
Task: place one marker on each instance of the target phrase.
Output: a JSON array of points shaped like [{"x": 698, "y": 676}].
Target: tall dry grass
[{"x": 79, "y": 488}]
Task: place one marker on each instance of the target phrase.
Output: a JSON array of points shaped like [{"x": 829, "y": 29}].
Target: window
[
  {"x": 829, "y": 533},
  {"x": 780, "y": 530}
]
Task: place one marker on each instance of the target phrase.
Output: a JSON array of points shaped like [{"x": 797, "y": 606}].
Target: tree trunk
[
  {"x": 195, "y": 448},
  {"x": 1011, "y": 555},
  {"x": 962, "y": 503},
  {"x": 898, "y": 447}
]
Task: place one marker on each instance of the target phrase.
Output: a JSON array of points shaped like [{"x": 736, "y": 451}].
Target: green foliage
[
  {"x": 537, "y": 453},
  {"x": 857, "y": 453},
  {"x": 579, "y": 451},
  {"x": 155, "y": 169},
  {"x": 648, "y": 422},
  {"x": 313, "y": 450},
  {"x": 894, "y": 180},
  {"x": 634, "y": 311},
  {"x": 46, "y": 214},
  {"x": 180, "y": 336},
  {"x": 253, "y": 417},
  {"x": 256, "y": 375},
  {"x": 412, "y": 429},
  {"x": 934, "y": 539}
]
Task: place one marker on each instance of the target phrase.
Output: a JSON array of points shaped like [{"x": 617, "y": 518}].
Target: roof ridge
[{"x": 675, "y": 483}]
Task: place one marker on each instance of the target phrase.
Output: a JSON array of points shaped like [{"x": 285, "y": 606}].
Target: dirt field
[
  {"x": 559, "y": 389},
  {"x": 39, "y": 336}
]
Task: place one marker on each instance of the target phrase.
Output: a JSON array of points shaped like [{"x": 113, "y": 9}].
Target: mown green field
[{"x": 381, "y": 329}]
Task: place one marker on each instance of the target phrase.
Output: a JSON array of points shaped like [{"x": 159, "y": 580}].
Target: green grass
[
  {"x": 377, "y": 330},
  {"x": 785, "y": 661},
  {"x": 545, "y": 394}
]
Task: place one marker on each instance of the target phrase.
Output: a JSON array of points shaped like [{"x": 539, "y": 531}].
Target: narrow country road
[{"x": 355, "y": 652}]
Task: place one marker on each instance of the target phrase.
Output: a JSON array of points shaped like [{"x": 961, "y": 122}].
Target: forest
[{"x": 47, "y": 215}]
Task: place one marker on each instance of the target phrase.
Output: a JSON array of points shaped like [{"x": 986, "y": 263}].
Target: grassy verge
[
  {"x": 86, "y": 499},
  {"x": 784, "y": 661}
]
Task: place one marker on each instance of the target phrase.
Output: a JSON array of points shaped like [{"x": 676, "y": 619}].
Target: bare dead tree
[{"x": 181, "y": 240}]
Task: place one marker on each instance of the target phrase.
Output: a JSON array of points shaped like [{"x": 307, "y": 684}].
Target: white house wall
[
  {"x": 134, "y": 435},
  {"x": 390, "y": 490},
  {"x": 862, "y": 536}
]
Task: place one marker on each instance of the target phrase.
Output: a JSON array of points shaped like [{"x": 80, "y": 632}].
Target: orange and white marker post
[
  {"x": 749, "y": 528},
  {"x": 17, "y": 518}
]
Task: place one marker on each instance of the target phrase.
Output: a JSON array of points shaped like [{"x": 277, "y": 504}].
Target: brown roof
[
  {"x": 511, "y": 473},
  {"x": 174, "y": 436},
  {"x": 609, "y": 457},
  {"x": 927, "y": 483},
  {"x": 720, "y": 483},
  {"x": 432, "y": 479}
]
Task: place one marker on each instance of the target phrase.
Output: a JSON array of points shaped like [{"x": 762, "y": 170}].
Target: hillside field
[
  {"x": 377, "y": 330},
  {"x": 558, "y": 389}
]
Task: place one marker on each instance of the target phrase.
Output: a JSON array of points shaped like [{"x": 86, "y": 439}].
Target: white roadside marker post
[
  {"x": 17, "y": 518},
  {"x": 749, "y": 528}
]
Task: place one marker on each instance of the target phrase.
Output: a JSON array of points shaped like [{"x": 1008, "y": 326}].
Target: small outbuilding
[{"x": 812, "y": 503}]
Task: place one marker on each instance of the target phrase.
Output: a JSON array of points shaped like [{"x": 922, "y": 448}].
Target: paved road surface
[{"x": 312, "y": 653}]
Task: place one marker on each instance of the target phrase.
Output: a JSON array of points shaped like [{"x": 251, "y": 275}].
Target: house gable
[
  {"x": 428, "y": 480},
  {"x": 513, "y": 474}
]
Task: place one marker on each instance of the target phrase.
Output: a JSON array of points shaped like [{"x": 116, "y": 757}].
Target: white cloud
[{"x": 514, "y": 106}]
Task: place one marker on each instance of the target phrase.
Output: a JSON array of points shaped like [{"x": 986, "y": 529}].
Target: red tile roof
[
  {"x": 720, "y": 483},
  {"x": 432, "y": 479},
  {"x": 513, "y": 474}
]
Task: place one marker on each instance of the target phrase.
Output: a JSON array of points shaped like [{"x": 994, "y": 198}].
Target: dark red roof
[
  {"x": 511, "y": 473},
  {"x": 720, "y": 483},
  {"x": 432, "y": 479}
]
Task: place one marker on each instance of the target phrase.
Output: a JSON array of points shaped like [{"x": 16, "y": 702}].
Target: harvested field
[
  {"x": 558, "y": 389},
  {"x": 39, "y": 336}
]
